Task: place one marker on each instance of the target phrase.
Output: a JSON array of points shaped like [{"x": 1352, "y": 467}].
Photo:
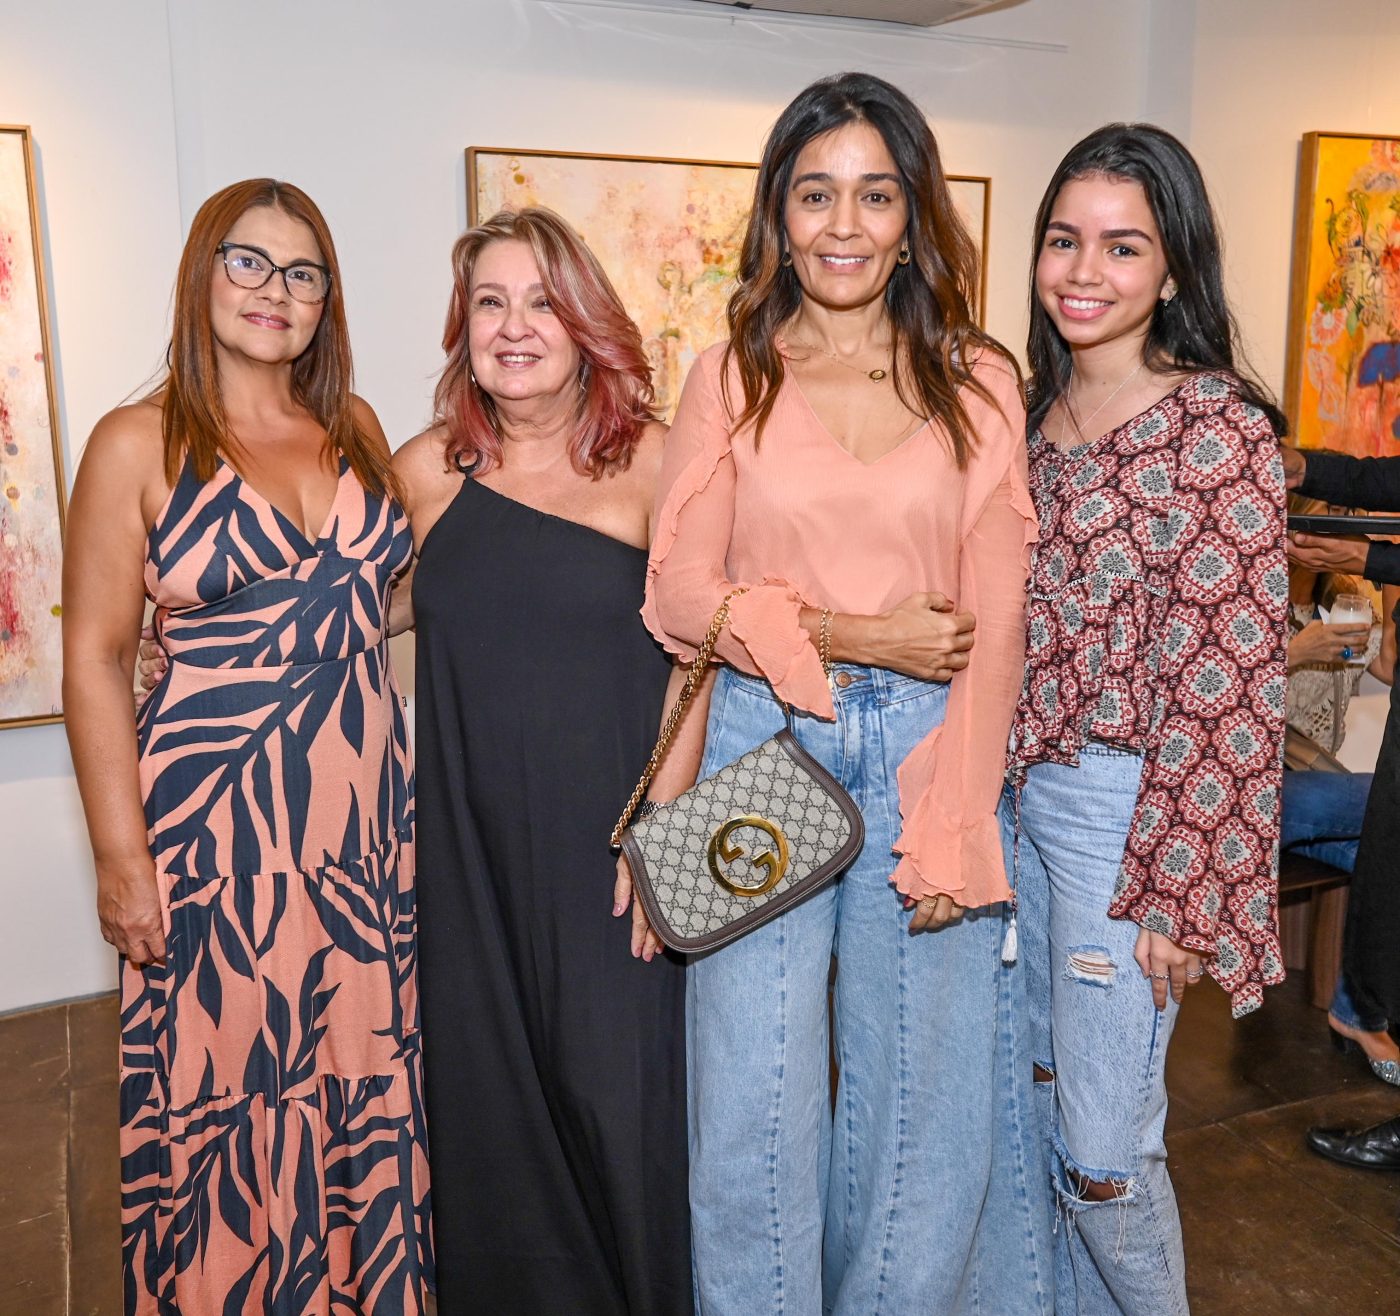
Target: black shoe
[{"x": 1376, "y": 1148}]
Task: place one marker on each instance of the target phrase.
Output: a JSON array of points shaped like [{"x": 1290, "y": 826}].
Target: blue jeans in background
[
  {"x": 1094, "y": 1026},
  {"x": 1322, "y": 817},
  {"x": 887, "y": 1208}
]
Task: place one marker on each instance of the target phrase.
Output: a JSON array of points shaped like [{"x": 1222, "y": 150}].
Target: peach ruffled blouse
[{"x": 802, "y": 523}]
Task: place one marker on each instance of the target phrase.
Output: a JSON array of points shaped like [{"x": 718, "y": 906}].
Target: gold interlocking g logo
[{"x": 772, "y": 862}]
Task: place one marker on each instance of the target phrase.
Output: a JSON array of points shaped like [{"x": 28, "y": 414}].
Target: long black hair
[
  {"x": 1195, "y": 329},
  {"x": 936, "y": 340}
]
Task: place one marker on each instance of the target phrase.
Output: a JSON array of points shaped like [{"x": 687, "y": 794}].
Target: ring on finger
[
  {"x": 1195, "y": 977},
  {"x": 1160, "y": 977}
]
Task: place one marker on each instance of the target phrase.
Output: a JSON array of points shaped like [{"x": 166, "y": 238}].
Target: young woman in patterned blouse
[{"x": 1147, "y": 742}]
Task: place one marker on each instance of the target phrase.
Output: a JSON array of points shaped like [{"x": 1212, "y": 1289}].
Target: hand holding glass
[{"x": 1351, "y": 610}]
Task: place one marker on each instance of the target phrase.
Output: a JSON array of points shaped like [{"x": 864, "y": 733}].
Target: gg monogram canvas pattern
[
  {"x": 668, "y": 852},
  {"x": 1157, "y": 621}
]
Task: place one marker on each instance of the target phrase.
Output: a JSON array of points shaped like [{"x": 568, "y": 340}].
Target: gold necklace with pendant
[{"x": 877, "y": 374}]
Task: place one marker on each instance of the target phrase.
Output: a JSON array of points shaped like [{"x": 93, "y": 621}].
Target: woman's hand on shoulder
[{"x": 924, "y": 636}]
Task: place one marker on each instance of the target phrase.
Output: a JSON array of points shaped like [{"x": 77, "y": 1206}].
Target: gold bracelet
[{"x": 824, "y": 648}]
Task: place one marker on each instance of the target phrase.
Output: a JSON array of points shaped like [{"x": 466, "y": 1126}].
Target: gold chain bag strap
[{"x": 742, "y": 846}]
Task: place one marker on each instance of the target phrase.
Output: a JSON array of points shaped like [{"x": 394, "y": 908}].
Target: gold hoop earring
[
  {"x": 903, "y": 257},
  {"x": 786, "y": 261}
]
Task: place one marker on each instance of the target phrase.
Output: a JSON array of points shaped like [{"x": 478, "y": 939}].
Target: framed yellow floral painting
[{"x": 1342, "y": 387}]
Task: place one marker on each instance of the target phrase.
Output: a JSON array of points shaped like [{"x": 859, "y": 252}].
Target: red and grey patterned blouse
[{"x": 1157, "y": 620}]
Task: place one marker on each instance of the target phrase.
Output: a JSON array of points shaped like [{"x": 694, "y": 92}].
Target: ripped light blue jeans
[
  {"x": 903, "y": 1203},
  {"x": 1094, "y": 1026}
]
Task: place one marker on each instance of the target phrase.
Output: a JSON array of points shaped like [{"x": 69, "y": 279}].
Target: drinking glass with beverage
[{"x": 1352, "y": 610}]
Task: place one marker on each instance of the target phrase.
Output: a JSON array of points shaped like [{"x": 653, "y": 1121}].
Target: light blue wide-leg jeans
[
  {"x": 1095, "y": 1027},
  {"x": 877, "y": 1211}
]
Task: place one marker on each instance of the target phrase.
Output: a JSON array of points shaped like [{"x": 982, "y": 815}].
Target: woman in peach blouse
[{"x": 855, "y": 457}]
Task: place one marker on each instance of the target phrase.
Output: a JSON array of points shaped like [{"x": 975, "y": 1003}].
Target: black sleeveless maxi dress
[{"x": 555, "y": 1062}]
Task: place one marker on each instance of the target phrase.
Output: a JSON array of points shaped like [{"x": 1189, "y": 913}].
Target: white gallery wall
[
  {"x": 142, "y": 109},
  {"x": 93, "y": 82}
]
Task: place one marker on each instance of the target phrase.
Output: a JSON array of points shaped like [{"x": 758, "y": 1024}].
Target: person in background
[
  {"x": 1323, "y": 803},
  {"x": 1148, "y": 736},
  {"x": 1372, "y": 951},
  {"x": 253, "y": 828},
  {"x": 555, "y": 1060},
  {"x": 854, "y": 455}
]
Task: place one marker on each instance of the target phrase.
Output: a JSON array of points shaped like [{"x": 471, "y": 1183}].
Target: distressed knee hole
[
  {"x": 1040, "y": 1074},
  {"x": 1090, "y": 965},
  {"x": 1098, "y": 1190},
  {"x": 1086, "y": 1188}
]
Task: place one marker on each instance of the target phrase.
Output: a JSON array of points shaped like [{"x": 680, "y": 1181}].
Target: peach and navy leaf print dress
[{"x": 273, "y": 1153}]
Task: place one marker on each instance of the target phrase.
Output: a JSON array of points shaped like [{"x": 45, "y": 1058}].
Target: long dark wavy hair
[
  {"x": 935, "y": 338},
  {"x": 1195, "y": 330}
]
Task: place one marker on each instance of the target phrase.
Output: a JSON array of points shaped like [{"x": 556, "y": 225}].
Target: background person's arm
[
  {"x": 1368, "y": 483},
  {"x": 1383, "y": 664}
]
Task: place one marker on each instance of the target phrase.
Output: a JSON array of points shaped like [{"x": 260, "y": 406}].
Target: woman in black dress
[{"x": 555, "y": 1060}]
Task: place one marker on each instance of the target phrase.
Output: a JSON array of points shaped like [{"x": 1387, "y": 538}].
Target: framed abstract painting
[
  {"x": 31, "y": 458},
  {"x": 667, "y": 232},
  {"x": 1342, "y": 385}
]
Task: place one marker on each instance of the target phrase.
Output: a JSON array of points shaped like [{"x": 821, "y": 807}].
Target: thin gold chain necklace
[
  {"x": 877, "y": 374},
  {"x": 1067, "y": 412}
]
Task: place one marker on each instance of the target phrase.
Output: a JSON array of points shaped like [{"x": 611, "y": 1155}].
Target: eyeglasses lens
[
  {"x": 250, "y": 269},
  {"x": 246, "y": 268},
  {"x": 306, "y": 283}
]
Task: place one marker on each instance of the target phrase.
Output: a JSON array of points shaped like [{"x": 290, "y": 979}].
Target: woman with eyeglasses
[{"x": 252, "y": 828}]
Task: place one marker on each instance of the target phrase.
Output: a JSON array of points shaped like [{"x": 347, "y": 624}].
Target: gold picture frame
[
  {"x": 667, "y": 230},
  {"x": 1344, "y": 309},
  {"x": 33, "y": 491}
]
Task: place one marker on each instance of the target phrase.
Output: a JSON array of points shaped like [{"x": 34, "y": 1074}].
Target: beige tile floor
[{"x": 1270, "y": 1229}]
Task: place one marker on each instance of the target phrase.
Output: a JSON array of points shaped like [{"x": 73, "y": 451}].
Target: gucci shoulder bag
[{"x": 742, "y": 846}]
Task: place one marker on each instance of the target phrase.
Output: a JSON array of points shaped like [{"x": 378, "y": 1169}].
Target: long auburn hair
[
  {"x": 929, "y": 300},
  {"x": 1195, "y": 330},
  {"x": 193, "y": 422},
  {"x": 616, "y": 400}
]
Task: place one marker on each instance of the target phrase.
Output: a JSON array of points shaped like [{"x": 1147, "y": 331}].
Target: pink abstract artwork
[{"x": 31, "y": 480}]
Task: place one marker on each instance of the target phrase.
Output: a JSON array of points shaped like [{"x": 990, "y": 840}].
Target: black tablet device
[{"x": 1345, "y": 525}]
